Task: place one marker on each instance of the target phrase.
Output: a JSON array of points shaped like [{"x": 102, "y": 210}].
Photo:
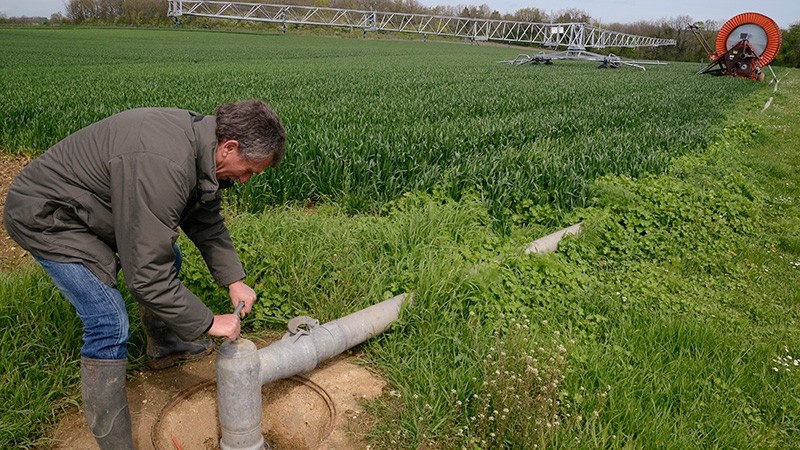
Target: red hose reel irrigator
[{"x": 745, "y": 44}]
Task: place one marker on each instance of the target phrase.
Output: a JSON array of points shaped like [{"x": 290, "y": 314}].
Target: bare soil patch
[
  {"x": 180, "y": 403},
  {"x": 11, "y": 255}
]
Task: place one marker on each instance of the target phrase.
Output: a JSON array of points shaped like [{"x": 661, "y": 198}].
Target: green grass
[
  {"x": 38, "y": 357},
  {"x": 671, "y": 322}
]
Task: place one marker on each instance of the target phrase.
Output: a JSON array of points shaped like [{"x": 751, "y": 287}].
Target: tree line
[{"x": 687, "y": 32}]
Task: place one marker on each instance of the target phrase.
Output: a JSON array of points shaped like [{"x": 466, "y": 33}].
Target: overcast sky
[{"x": 784, "y": 12}]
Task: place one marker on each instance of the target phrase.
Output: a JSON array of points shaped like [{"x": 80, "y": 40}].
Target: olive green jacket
[{"x": 122, "y": 187}]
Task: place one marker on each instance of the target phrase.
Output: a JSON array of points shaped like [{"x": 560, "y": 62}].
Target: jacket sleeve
[
  {"x": 148, "y": 193},
  {"x": 205, "y": 226}
]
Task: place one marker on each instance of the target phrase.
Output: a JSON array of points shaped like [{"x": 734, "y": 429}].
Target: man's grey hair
[{"x": 255, "y": 126}]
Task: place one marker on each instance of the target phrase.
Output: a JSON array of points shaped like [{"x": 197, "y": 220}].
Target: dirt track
[
  {"x": 11, "y": 255},
  {"x": 179, "y": 405}
]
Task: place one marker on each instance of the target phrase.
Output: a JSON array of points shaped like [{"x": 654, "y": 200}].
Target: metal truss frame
[
  {"x": 573, "y": 36},
  {"x": 610, "y": 61}
]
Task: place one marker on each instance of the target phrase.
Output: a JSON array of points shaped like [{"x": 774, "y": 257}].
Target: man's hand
[
  {"x": 241, "y": 292},
  {"x": 226, "y": 325}
]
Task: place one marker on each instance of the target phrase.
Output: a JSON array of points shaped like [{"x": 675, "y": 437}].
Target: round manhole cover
[{"x": 297, "y": 414}]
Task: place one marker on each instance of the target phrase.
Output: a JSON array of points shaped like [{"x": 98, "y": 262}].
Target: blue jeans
[{"x": 101, "y": 308}]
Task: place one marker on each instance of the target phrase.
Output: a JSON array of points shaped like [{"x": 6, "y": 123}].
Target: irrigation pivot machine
[
  {"x": 575, "y": 37},
  {"x": 745, "y": 44},
  {"x": 580, "y": 37}
]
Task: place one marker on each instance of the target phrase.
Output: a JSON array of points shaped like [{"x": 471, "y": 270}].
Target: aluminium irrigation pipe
[
  {"x": 242, "y": 369},
  {"x": 774, "y": 90},
  {"x": 550, "y": 242}
]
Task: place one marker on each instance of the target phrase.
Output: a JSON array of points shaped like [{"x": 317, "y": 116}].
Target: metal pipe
[
  {"x": 550, "y": 242},
  {"x": 241, "y": 369},
  {"x": 302, "y": 350},
  {"x": 239, "y": 396}
]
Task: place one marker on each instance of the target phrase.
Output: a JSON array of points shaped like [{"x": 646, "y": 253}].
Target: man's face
[{"x": 230, "y": 166}]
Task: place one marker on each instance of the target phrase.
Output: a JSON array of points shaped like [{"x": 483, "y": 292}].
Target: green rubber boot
[
  {"x": 105, "y": 402},
  {"x": 165, "y": 348}
]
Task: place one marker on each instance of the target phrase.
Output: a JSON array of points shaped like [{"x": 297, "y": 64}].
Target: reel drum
[
  {"x": 744, "y": 45},
  {"x": 762, "y": 33}
]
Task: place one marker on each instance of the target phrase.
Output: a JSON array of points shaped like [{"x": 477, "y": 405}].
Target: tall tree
[
  {"x": 571, "y": 15},
  {"x": 789, "y": 54},
  {"x": 535, "y": 15}
]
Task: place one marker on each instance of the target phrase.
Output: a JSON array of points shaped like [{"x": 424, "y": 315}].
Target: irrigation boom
[{"x": 573, "y": 36}]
